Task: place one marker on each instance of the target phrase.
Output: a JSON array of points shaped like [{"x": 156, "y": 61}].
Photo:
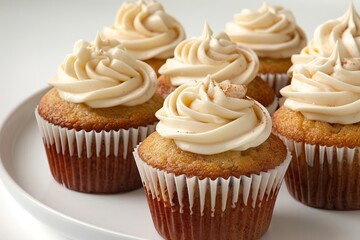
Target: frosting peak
[
  {"x": 269, "y": 31},
  {"x": 326, "y": 89},
  {"x": 207, "y": 32},
  {"x": 146, "y": 30},
  {"x": 345, "y": 29},
  {"x": 102, "y": 74},
  {"x": 195, "y": 58},
  {"x": 209, "y": 118}
]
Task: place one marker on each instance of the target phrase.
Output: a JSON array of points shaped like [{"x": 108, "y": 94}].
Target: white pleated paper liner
[
  {"x": 96, "y": 162},
  {"x": 192, "y": 208},
  {"x": 325, "y": 177},
  {"x": 275, "y": 80},
  {"x": 273, "y": 106}
]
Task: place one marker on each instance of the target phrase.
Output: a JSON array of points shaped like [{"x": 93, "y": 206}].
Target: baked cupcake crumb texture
[
  {"x": 82, "y": 117},
  {"x": 162, "y": 153}
]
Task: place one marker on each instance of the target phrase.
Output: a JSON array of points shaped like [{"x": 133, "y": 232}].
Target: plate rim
[{"x": 31, "y": 204}]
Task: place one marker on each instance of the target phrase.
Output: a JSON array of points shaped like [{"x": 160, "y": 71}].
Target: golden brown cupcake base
[
  {"x": 261, "y": 92},
  {"x": 293, "y": 125},
  {"x": 82, "y": 117},
  {"x": 85, "y": 146},
  {"x": 325, "y": 168},
  {"x": 238, "y": 223},
  {"x": 256, "y": 89},
  {"x": 272, "y": 65},
  {"x": 155, "y": 64},
  {"x": 162, "y": 153}
]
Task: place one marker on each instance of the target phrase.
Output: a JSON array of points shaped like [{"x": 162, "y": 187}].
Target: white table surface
[{"x": 36, "y": 35}]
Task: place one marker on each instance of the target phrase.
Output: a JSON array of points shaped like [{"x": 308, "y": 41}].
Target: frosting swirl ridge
[
  {"x": 210, "y": 118},
  {"x": 345, "y": 29},
  {"x": 326, "y": 89},
  {"x": 195, "y": 58},
  {"x": 269, "y": 31},
  {"x": 146, "y": 30},
  {"x": 102, "y": 74}
]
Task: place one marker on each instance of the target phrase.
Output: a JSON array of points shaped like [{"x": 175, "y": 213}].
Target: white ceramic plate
[{"x": 25, "y": 173}]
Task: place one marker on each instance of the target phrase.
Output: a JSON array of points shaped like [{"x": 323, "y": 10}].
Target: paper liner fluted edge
[
  {"x": 325, "y": 177},
  {"x": 159, "y": 182},
  {"x": 325, "y": 152},
  {"x": 64, "y": 138},
  {"x": 275, "y": 80}
]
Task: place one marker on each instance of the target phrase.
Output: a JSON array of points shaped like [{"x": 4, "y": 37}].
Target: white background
[{"x": 36, "y": 35}]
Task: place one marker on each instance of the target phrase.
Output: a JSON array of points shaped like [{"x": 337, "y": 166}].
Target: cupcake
[
  {"x": 197, "y": 57},
  {"x": 273, "y": 34},
  {"x": 102, "y": 105},
  {"x": 213, "y": 169},
  {"x": 320, "y": 124},
  {"x": 345, "y": 29},
  {"x": 146, "y": 31}
]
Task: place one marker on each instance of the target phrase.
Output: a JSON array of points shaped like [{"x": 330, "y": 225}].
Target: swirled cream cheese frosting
[
  {"x": 102, "y": 74},
  {"x": 345, "y": 29},
  {"x": 326, "y": 89},
  {"x": 195, "y": 58},
  {"x": 210, "y": 118},
  {"x": 269, "y": 31},
  {"x": 146, "y": 30}
]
